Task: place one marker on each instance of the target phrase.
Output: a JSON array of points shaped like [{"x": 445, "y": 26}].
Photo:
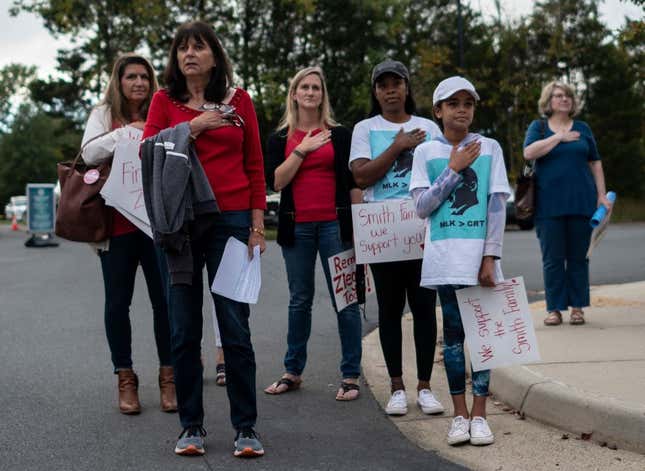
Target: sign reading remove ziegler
[{"x": 387, "y": 231}]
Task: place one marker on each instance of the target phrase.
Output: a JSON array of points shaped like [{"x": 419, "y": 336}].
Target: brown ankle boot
[
  {"x": 168, "y": 397},
  {"x": 128, "y": 396}
]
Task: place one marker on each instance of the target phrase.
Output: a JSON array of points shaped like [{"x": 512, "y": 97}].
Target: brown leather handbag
[
  {"x": 525, "y": 195},
  {"x": 82, "y": 215},
  {"x": 525, "y": 187}
]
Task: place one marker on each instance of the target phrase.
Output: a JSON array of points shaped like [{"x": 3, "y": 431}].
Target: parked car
[
  {"x": 17, "y": 205},
  {"x": 510, "y": 214},
  {"x": 271, "y": 213}
]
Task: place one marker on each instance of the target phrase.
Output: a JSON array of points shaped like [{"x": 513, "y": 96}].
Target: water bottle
[{"x": 601, "y": 212}]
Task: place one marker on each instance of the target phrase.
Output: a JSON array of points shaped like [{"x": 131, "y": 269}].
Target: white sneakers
[
  {"x": 476, "y": 431},
  {"x": 428, "y": 402},
  {"x": 398, "y": 403},
  {"x": 459, "y": 431},
  {"x": 480, "y": 432}
]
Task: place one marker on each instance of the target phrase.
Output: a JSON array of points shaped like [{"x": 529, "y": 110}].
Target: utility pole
[{"x": 460, "y": 37}]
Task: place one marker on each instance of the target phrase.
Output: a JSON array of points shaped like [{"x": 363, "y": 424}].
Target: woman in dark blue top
[{"x": 570, "y": 186}]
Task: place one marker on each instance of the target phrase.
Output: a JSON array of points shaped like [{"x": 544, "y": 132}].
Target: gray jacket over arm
[{"x": 177, "y": 196}]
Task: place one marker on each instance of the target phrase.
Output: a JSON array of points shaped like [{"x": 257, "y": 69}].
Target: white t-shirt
[
  {"x": 371, "y": 137},
  {"x": 454, "y": 242}
]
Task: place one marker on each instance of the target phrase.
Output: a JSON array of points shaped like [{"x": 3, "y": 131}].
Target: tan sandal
[
  {"x": 554, "y": 318},
  {"x": 577, "y": 317}
]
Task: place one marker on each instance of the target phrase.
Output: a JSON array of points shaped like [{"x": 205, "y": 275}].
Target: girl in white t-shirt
[
  {"x": 381, "y": 160},
  {"x": 459, "y": 184}
]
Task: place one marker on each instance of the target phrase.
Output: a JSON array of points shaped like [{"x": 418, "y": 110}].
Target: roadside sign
[{"x": 41, "y": 207}]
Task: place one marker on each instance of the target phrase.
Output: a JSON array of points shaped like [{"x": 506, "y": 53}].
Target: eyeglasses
[
  {"x": 228, "y": 112},
  {"x": 560, "y": 96}
]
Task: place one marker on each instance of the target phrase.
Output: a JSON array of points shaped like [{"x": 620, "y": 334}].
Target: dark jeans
[
  {"x": 564, "y": 242},
  {"x": 393, "y": 281},
  {"x": 233, "y": 320},
  {"x": 313, "y": 238},
  {"x": 119, "y": 265},
  {"x": 453, "y": 346}
]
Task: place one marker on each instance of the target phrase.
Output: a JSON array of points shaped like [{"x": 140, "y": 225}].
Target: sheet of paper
[
  {"x": 498, "y": 325},
  {"x": 238, "y": 277}
]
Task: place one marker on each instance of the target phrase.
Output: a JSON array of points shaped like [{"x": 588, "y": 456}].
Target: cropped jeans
[
  {"x": 185, "y": 302},
  {"x": 564, "y": 242},
  {"x": 119, "y": 266},
  {"x": 313, "y": 238},
  {"x": 453, "y": 346}
]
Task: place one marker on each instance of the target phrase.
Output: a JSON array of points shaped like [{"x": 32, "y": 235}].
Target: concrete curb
[{"x": 605, "y": 420}]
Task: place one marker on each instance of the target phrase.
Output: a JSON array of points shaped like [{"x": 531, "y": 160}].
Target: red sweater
[
  {"x": 231, "y": 155},
  {"x": 314, "y": 186}
]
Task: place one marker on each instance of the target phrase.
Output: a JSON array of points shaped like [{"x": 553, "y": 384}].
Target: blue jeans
[
  {"x": 119, "y": 266},
  {"x": 233, "y": 320},
  {"x": 322, "y": 238},
  {"x": 564, "y": 242},
  {"x": 453, "y": 346}
]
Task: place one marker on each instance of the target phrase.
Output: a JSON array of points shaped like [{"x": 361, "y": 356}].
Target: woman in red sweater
[{"x": 224, "y": 127}]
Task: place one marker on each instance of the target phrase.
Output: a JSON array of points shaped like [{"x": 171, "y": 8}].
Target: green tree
[
  {"x": 31, "y": 148},
  {"x": 14, "y": 79}
]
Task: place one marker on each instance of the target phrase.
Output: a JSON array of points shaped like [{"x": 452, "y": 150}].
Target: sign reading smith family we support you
[
  {"x": 498, "y": 325},
  {"x": 386, "y": 231}
]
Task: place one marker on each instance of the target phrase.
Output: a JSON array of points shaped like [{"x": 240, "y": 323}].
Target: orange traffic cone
[{"x": 14, "y": 223}]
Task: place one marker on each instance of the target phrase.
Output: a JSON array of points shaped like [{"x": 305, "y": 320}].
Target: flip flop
[
  {"x": 291, "y": 386},
  {"x": 220, "y": 377},
  {"x": 346, "y": 387}
]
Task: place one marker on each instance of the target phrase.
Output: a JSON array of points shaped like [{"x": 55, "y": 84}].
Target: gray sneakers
[
  {"x": 191, "y": 441},
  {"x": 247, "y": 444}
]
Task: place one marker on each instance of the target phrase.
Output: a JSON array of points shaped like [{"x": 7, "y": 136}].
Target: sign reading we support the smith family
[
  {"x": 386, "y": 231},
  {"x": 498, "y": 325}
]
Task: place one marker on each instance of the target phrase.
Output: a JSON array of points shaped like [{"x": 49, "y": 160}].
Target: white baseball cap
[{"x": 448, "y": 87}]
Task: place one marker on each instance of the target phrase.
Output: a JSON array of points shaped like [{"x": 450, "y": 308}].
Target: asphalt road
[{"x": 59, "y": 394}]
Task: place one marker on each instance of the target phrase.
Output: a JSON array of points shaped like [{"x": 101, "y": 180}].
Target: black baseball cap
[{"x": 389, "y": 66}]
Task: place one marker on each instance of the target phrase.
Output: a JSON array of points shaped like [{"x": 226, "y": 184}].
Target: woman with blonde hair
[
  {"x": 307, "y": 161},
  {"x": 570, "y": 186},
  {"x": 126, "y": 103}
]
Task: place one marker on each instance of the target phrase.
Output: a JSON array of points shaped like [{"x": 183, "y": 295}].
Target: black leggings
[{"x": 393, "y": 280}]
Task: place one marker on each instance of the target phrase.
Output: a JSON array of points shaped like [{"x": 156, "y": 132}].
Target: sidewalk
[{"x": 589, "y": 385}]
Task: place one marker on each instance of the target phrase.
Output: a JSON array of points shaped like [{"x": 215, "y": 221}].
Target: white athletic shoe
[
  {"x": 459, "y": 431},
  {"x": 480, "y": 432},
  {"x": 428, "y": 403},
  {"x": 398, "y": 403}
]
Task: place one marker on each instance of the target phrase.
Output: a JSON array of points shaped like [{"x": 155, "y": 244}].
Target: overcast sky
[{"x": 23, "y": 39}]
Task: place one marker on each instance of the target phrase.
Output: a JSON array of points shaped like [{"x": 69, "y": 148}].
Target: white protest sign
[
  {"x": 342, "y": 268},
  {"x": 498, "y": 325},
  {"x": 123, "y": 188},
  {"x": 387, "y": 231}
]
